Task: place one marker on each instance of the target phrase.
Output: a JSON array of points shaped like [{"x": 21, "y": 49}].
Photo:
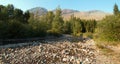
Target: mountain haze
[
  {"x": 66, "y": 13},
  {"x": 94, "y": 14},
  {"x": 38, "y": 11}
]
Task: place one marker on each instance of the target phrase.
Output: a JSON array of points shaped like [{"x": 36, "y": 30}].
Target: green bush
[
  {"x": 54, "y": 33},
  {"x": 15, "y": 29},
  {"x": 109, "y": 29}
]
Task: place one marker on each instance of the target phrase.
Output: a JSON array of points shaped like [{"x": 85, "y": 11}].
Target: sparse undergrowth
[{"x": 110, "y": 50}]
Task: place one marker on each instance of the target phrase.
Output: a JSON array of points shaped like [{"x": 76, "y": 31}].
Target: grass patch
[
  {"x": 104, "y": 49},
  {"x": 114, "y": 56},
  {"x": 88, "y": 35},
  {"x": 111, "y": 43}
]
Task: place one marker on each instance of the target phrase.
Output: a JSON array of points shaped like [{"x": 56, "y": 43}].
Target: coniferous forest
[{"x": 14, "y": 23}]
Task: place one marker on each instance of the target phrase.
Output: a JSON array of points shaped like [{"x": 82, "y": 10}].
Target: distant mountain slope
[
  {"x": 66, "y": 13},
  {"x": 95, "y": 14},
  {"x": 38, "y": 11}
]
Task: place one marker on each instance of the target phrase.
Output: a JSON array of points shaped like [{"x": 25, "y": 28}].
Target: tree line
[{"x": 14, "y": 23}]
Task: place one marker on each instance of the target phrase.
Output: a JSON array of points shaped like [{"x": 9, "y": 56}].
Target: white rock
[{"x": 65, "y": 59}]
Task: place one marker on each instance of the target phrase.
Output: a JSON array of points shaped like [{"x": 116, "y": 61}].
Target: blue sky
[{"x": 81, "y": 5}]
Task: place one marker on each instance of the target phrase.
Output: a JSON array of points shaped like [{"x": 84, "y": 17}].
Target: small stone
[{"x": 65, "y": 59}]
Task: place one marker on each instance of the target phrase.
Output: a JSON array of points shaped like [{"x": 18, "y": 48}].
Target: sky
[{"x": 81, "y": 5}]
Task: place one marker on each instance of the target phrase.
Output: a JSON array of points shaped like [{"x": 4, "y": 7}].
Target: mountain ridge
[
  {"x": 38, "y": 11},
  {"x": 66, "y": 13}
]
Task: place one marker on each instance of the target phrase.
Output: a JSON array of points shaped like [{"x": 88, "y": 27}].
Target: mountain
[
  {"x": 41, "y": 11},
  {"x": 94, "y": 14},
  {"x": 66, "y": 13},
  {"x": 38, "y": 11}
]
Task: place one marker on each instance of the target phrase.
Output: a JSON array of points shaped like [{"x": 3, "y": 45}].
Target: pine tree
[
  {"x": 57, "y": 23},
  {"x": 116, "y": 10},
  {"x": 10, "y": 11},
  {"x": 49, "y": 19},
  {"x": 18, "y": 15},
  {"x": 26, "y": 16}
]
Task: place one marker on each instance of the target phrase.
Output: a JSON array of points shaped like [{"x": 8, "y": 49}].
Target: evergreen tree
[
  {"x": 72, "y": 21},
  {"x": 18, "y": 15},
  {"x": 76, "y": 25},
  {"x": 116, "y": 10},
  {"x": 10, "y": 9},
  {"x": 57, "y": 23},
  {"x": 3, "y": 13},
  {"x": 67, "y": 27},
  {"x": 83, "y": 26},
  {"x": 109, "y": 29},
  {"x": 26, "y": 16},
  {"x": 48, "y": 18}
]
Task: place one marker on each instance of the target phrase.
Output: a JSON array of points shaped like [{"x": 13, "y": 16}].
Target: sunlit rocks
[{"x": 55, "y": 52}]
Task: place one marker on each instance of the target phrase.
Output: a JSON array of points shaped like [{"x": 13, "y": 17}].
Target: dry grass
[
  {"x": 111, "y": 50},
  {"x": 105, "y": 50}
]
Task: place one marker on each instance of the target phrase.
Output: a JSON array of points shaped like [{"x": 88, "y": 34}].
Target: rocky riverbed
[
  {"x": 53, "y": 52},
  {"x": 50, "y": 53}
]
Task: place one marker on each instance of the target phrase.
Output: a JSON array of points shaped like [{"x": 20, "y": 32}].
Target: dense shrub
[
  {"x": 13, "y": 29},
  {"x": 109, "y": 29}
]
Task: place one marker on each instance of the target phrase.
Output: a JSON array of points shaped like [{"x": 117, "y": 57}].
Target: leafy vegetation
[
  {"x": 109, "y": 28},
  {"x": 76, "y": 26},
  {"x": 14, "y": 23}
]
